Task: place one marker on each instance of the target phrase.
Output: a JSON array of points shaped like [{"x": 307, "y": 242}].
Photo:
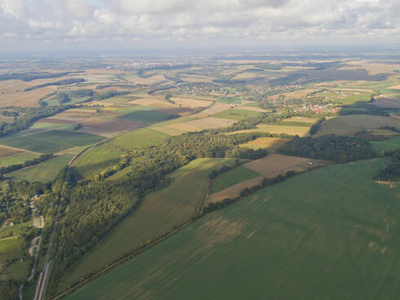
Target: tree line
[{"x": 339, "y": 149}]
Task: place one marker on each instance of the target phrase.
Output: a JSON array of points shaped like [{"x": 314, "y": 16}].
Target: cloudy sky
[{"x": 119, "y": 24}]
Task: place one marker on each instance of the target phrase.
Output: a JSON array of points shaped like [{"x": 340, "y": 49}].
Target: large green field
[
  {"x": 17, "y": 159},
  {"x": 387, "y": 145},
  {"x": 139, "y": 138},
  {"x": 320, "y": 235},
  {"x": 51, "y": 141},
  {"x": 159, "y": 213},
  {"x": 237, "y": 114},
  {"x": 232, "y": 177},
  {"x": 349, "y": 125},
  {"x": 150, "y": 116},
  {"x": 97, "y": 159},
  {"x": 43, "y": 172}
]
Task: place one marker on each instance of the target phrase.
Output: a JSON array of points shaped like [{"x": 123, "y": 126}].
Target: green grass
[
  {"x": 387, "y": 145},
  {"x": 139, "y": 138},
  {"x": 320, "y": 235},
  {"x": 237, "y": 114},
  {"x": 232, "y": 177},
  {"x": 159, "y": 213},
  {"x": 69, "y": 137},
  {"x": 32, "y": 144},
  {"x": 9, "y": 248},
  {"x": 17, "y": 159},
  {"x": 230, "y": 100},
  {"x": 17, "y": 271},
  {"x": 51, "y": 141},
  {"x": 97, "y": 159},
  {"x": 150, "y": 116},
  {"x": 43, "y": 172}
]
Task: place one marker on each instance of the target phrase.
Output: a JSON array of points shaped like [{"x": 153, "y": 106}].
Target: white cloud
[{"x": 198, "y": 20}]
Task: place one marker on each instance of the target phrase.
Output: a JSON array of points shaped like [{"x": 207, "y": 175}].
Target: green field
[
  {"x": 69, "y": 137},
  {"x": 139, "y": 138},
  {"x": 321, "y": 235},
  {"x": 237, "y": 114},
  {"x": 9, "y": 248},
  {"x": 232, "y": 177},
  {"x": 230, "y": 100},
  {"x": 150, "y": 116},
  {"x": 349, "y": 125},
  {"x": 97, "y": 159},
  {"x": 43, "y": 172},
  {"x": 159, "y": 213},
  {"x": 387, "y": 145},
  {"x": 17, "y": 159},
  {"x": 35, "y": 145},
  {"x": 51, "y": 141},
  {"x": 16, "y": 230}
]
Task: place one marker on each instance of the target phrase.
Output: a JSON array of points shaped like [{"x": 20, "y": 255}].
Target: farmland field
[
  {"x": 387, "y": 145},
  {"x": 349, "y": 125},
  {"x": 232, "y": 177},
  {"x": 316, "y": 236},
  {"x": 17, "y": 159},
  {"x": 51, "y": 141},
  {"x": 159, "y": 213},
  {"x": 139, "y": 138},
  {"x": 44, "y": 172},
  {"x": 97, "y": 159}
]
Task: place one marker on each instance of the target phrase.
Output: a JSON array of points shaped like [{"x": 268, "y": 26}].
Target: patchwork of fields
[{"x": 297, "y": 240}]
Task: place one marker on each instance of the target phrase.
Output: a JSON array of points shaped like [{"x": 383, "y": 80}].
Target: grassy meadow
[
  {"x": 139, "y": 138},
  {"x": 232, "y": 177},
  {"x": 44, "y": 172},
  {"x": 321, "y": 235}
]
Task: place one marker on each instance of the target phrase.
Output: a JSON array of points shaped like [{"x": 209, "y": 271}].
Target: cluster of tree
[
  {"x": 14, "y": 200},
  {"x": 28, "y": 116},
  {"x": 125, "y": 86},
  {"x": 168, "y": 98},
  {"x": 66, "y": 97},
  {"x": 215, "y": 173},
  {"x": 391, "y": 128},
  {"x": 60, "y": 82},
  {"x": 339, "y": 149},
  {"x": 9, "y": 113},
  {"x": 174, "y": 78},
  {"x": 109, "y": 94},
  {"x": 29, "y": 76},
  {"x": 316, "y": 126},
  {"x": 248, "y": 191},
  {"x": 392, "y": 170},
  {"x": 28, "y": 163}
]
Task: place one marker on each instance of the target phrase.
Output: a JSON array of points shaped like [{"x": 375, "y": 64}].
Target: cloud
[{"x": 198, "y": 20}]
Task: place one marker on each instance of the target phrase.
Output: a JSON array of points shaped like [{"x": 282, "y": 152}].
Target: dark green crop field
[{"x": 321, "y": 235}]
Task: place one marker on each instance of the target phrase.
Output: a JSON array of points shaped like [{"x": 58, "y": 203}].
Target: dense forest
[
  {"x": 392, "y": 170},
  {"x": 339, "y": 149}
]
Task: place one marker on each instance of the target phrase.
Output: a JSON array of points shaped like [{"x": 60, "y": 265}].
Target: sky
[{"x": 68, "y": 25}]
